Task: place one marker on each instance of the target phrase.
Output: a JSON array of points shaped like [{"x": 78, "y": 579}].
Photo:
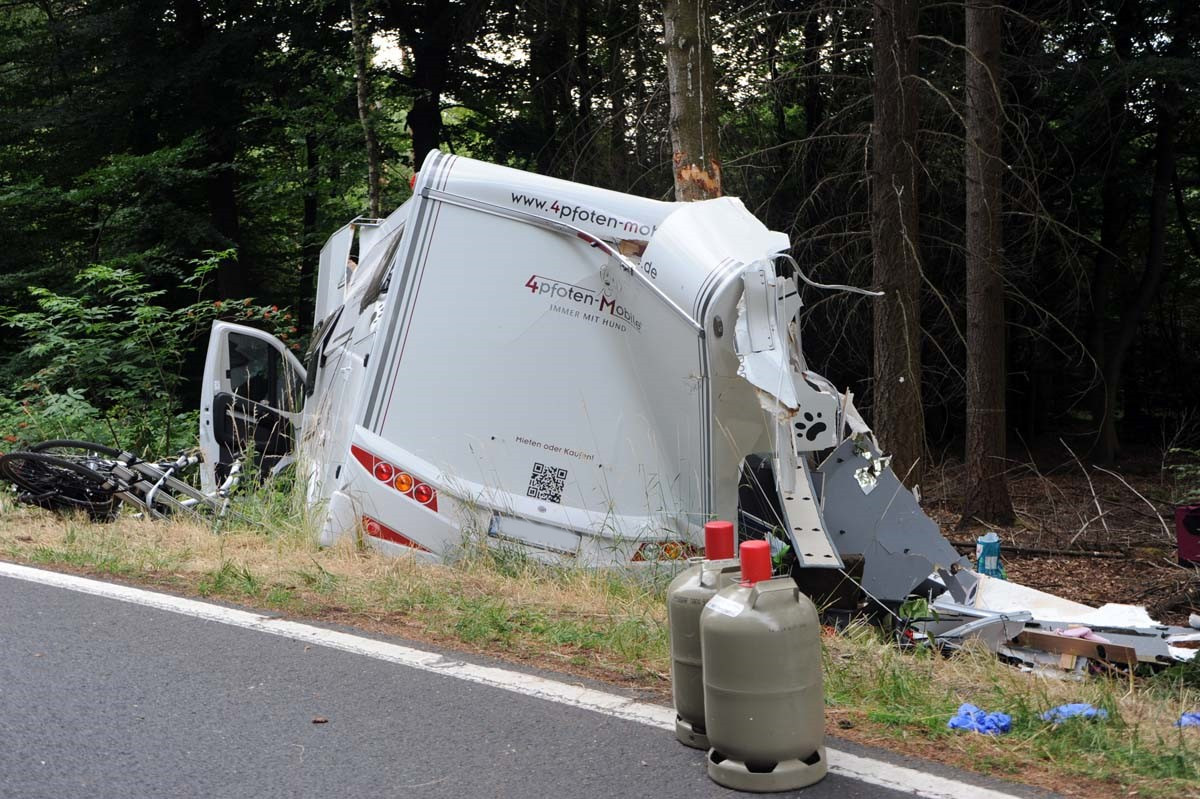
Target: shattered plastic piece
[
  {"x": 1074, "y": 710},
  {"x": 868, "y": 476},
  {"x": 972, "y": 719},
  {"x": 994, "y": 630},
  {"x": 1003, "y": 596},
  {"x": 1084, "y": 633},
  {"x": 1181, "y": 653},
  {"x": 1189, "y": 720}
]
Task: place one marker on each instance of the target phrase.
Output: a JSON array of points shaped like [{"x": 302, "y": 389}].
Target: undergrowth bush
[{"x": 106, "y": 361}]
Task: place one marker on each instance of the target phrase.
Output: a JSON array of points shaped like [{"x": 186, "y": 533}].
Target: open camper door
[{"x": 251, "y": 401}]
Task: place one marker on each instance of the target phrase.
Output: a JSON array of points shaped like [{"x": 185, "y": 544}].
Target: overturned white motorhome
[
  {"x": 571, "y": 371},
  {"x": 574, "y": 371}
]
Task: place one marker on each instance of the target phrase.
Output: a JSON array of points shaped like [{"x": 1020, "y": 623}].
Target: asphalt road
[{"x": 100, "y": 698}]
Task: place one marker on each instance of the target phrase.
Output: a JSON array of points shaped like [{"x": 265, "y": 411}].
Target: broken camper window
[
  {"x": 381, "y": 270},
  {"x": 313, "y": 356}
]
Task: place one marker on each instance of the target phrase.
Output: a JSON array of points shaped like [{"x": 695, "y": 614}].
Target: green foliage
[{"x": 105, "y": 362}]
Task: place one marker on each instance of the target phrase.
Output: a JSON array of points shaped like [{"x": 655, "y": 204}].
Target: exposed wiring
[{"x": 827, "y": 286}]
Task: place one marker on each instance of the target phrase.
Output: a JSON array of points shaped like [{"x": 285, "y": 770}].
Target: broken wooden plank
[{"x": 1080, "y": 647}]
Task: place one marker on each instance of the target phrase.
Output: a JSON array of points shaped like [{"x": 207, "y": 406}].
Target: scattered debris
[
  {"x": 987, "y": 555},
  {"x": 1189, "y": 720},
  {"x": 1075, "y": 710},
  {"x": 320, "y": 720},
  {"x": 970, "y": 718}
]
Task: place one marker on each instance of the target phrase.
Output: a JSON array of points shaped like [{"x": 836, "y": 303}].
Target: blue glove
[{"x": 1075, "y": 710}]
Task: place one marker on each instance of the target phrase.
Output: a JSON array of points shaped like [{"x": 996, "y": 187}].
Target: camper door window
[{"x": 257, "y": 372}]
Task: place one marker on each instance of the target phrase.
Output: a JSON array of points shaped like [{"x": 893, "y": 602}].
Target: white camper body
[
  {"x": 588, "y": 376},
  {"x": 567, "y": 370}
]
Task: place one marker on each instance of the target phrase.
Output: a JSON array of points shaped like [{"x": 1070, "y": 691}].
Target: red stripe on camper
[{"x": 376, "y": 529}]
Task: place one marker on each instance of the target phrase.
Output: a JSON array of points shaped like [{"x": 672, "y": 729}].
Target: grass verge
[{"x": 612, "y": 627}]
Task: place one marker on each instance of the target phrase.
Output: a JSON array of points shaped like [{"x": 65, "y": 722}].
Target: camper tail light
[
  {"x": 664, "y": 550},
  {"x": 377, "y": 529},
  {"x": 424, "y": 494},
  {"x": 397, "y": 478}
]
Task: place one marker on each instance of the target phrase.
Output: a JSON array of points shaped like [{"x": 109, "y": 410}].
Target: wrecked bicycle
[{"x": 95, "y": 479}]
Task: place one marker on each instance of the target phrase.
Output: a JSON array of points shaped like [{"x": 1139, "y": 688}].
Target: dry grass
[{"x": 485, "y": 599}]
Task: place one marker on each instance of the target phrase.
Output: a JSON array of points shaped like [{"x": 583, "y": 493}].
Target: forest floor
[
  {"x": 606, "y": 626},
  {"x": 1085, "y": 533}
]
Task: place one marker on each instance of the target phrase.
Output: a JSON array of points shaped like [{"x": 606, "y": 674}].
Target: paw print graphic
[{"x": 810, "y": 428}]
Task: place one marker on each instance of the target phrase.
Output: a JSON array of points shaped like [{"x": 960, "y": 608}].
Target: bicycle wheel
[
  {"x": 74, "y": 449},
  {"x": 58, "y": 483}
]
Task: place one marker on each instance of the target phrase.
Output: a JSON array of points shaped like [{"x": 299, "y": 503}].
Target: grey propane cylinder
[
  {"x": 686, "y": 597},
  {"x": 764, "y": 705}
]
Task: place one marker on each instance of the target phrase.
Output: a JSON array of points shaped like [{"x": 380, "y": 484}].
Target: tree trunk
[
  {"x": 549, "y": 51},
  {"x": 986, "y": 495},
  {"x": 232, "y": 273},
  {"x": 361, "y": 41},
  {"x": 693, "y": 108},
  {"x": 642, "y": 136},
  {"x": 898, "y": 414},
  {"x": 1114, "y": 219},
  {"x": 1166, "y": 126},
  {"x": 310, "y": 245},
  {"x": 617, "y": 30},
  {"x": 814, "y": 111}
]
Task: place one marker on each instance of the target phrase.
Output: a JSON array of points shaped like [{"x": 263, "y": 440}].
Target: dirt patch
[{"x": 1115, "y": 530}]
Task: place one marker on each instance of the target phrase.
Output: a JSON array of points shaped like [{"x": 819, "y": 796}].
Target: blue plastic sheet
[
  {"x": 1189, "y": 720},
  {"x": 972, "y": 719},
  {"x": 1075, "y": 710}
]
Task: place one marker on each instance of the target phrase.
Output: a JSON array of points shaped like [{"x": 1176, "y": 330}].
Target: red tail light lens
[
  {"x": 376, "y": 529},
  {"x": 398, "y": 479}
]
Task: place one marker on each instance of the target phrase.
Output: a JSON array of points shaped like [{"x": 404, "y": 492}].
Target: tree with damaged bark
[
  {"x": 693, "y": 100},
  {"x": 986, "y": 492},
  {"x": 897, "y": 410}
]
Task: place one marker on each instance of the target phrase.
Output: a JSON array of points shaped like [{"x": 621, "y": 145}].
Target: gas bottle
[
  {"x": 686, "y": 597},
  {"x": 764, "y": 705}
]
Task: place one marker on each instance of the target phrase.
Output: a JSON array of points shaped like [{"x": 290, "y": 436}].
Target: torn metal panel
[
  {"x": 994, "y": 631},
  {"x": 1046, "y": 664},
  {"x": 761, "y": 303},
  {"x": 805, "y": 524},
  {"x": 768, "y": 362},
  {"x": 901, "y": 546}
]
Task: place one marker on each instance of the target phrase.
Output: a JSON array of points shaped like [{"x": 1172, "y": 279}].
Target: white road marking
[{"x": 856, "y": 767}]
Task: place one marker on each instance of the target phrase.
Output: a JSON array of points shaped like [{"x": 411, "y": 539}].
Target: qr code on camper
[{"x": 547, "y": 482}]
